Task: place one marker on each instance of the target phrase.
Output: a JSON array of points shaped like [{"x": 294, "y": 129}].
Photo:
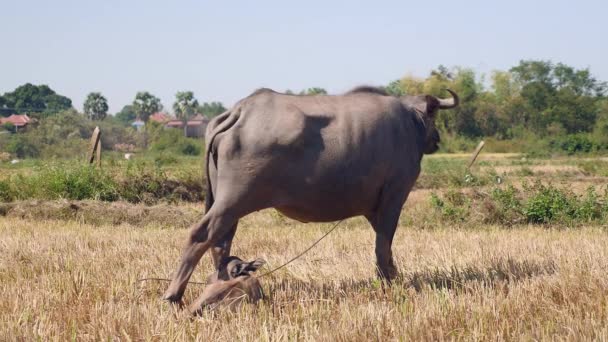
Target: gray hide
[{"x": 315, "y": 159}]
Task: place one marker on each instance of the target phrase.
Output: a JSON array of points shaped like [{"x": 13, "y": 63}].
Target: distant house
[
  {"x": 160, "y": 117},
  {"x": 138, "y": 124},
  {"x": 20, "y": 121},
  {"x": 196, "y": 125}
]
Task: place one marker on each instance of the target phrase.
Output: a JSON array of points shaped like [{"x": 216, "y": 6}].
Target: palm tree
[{"x": 185, "y": 105}]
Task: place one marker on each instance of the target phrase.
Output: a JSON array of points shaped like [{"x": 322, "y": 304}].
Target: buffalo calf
[{"x": 230, "y": 285}]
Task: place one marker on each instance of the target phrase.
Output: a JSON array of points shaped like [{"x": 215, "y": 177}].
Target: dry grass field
[
  {"x": 65, "y": 280},
  {"x": 76, "y": 277}
]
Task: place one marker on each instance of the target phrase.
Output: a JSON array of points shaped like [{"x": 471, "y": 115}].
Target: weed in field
[
  {"x": 454, "y": 206},
  {"x": 137, "y": 182},
  {"x": 536, "y": 203}
]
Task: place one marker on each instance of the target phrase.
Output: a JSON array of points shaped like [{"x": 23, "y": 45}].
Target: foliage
[
  {"x": 96, "y": 106},
  {"x": 138, "y": 182},
  {"x": 574, "y": 143},
  {"x": 535, "y": 97},
  {"x": 454, "y": 206},
  {"x": 65, "y": 135},
  {"x": 394, "y": 88},
  {"x": 172, "y": 141},
  {"x": 22, "y": 147},
  {"x": 126, "y": 115},
  {"x": 3, "y": 110},
  {"x": 535, "y": 203},
  {"x": 146, "y": 104},
  {"x": 30, "y": 98},
  {"x": 211, "y": 109},
  {"x": 8, "y": 126},
  {"x": 184, "y": 107},
  {"x": 314, "y": 91}
]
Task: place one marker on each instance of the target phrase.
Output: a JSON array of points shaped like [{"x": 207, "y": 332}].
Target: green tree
[
  {"x": 3, "y": 111},
  {"x": 394, "y": 88},
  {"x": 411, "y": 85},
  {"x": 314, "y": 91},
  {"x": 30, "y": 98},
  {"x": 96, "y": 107},
  {"x": 126, "y": 115},
  {"x": 467, "y": 87},
  {"x": 557, "y": 94},
  {"x": 211, "y": 109},
  {"x": 185, "y": 106},
  {"x": 146, "y": 104}
]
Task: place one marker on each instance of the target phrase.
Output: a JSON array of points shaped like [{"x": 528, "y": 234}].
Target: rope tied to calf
[{"x": 269, "y": 272}]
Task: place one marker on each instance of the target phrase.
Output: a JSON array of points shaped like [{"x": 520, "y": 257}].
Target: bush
[
  {"x": 438, "y": 172},
  {"x": 173, "y": 141},
  {"x": 9, "y": 127},
  {"x": 22, "y": 147},
  {"x": 547, "y": 204},
  {"x": 6, "y": 192},
  {"x": 535, "y": 204},
  {"x": 453, "y": 207},
  {"x": 574, "y": 143},
  {"x": 138, "y": 183},
  {"x": 76, "y": 183}
]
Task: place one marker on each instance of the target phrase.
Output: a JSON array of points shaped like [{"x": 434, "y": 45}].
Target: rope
[
  {"x": 165, "y": 279},
  {"x": 304, "y": 252},
  {"x": 269, "y": 272}
]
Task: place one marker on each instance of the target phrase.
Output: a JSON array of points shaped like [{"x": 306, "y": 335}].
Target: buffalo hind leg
[
  {"x": 221, "y": 249},
  {"x": 205, "y": 234},
  {"x": 384, "y": 221}
]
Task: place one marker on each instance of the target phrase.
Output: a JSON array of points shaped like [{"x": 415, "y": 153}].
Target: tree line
[
  {"x": 535, "y": 98},
  {"x": 41, "y": 101}
]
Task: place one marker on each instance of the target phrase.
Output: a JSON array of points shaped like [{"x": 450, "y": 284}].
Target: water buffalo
[
  {"x": 230, "y": 285},
  {"x": 315, "y": 158}
]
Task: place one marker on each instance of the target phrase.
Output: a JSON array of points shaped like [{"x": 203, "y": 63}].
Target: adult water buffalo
[{"x": 315, "y": 159}]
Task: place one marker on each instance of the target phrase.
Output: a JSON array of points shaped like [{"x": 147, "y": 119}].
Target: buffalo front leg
[
  {"x": 203, "y": 235},
  {"x": 384, "y": 221}
]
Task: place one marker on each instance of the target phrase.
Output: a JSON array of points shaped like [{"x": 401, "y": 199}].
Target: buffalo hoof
[
  {"x": 174, "y": 300},
  {"x": 388, "y": 275}
]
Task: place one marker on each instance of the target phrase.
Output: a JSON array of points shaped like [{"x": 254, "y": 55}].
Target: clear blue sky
[{"x": 223, "y": 50}]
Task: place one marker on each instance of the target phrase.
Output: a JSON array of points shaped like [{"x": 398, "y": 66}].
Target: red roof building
[
  {"x": 16, "y": 120},
  {"x": 160, "y": 117},
  {"x": 19, "y": 121},
  {"x": 196, "y": 125}
]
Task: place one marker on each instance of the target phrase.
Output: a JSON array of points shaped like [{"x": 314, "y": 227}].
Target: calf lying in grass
[{"x": 230, "y": 286}]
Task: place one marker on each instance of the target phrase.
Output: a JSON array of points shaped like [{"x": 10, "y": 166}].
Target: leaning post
[
  {"x": 475, "y": 154},
  {"x": 95, "y": 149}
]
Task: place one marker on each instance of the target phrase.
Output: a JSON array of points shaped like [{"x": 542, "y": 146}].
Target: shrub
[
  {"x": 138, "y": 183},
  {"x": 536, "y": 204},
  {"x": 453, "y": 207},
  {"x": 77, "y": 183},
  {"x": 8, "y": 126},
  {"x": 22, "y": 147},
  {"x": 574, "y": 143},
  {"x": 547, "y": 204},
  {"x": 6, "y": 193},
  {"x": 173, "y": 141}
]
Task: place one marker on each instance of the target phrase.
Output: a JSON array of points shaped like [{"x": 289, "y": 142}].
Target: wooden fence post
[
  {"x": 95, "y": 147},
  {"x": 475, "y": 154}
]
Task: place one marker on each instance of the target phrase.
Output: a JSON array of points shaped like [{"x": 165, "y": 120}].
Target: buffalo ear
[
  {"x": 238, "y": 270},
  {"x": 243, "y": 268},
  {"x": 432, "y": 105},
  {"x": 254, "y": 265}
]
